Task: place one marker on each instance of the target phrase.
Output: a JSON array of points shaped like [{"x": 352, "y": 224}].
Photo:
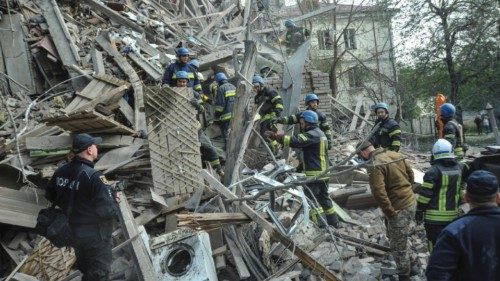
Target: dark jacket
[
  {"x": 314, "y": 147},
  {"x": 273, "y": 104},
  {"x": 224, "y": 101},
  {"x": 453, "y": 133},
  {"x": 93, "y": 202},
  {"x": 295, "y": 36},
  {"x": 468, "y": 248},
  {"x": 388, "y": 134},
  {"x": 390, "y": 181},
  {"x": 439, "y": 194},
  {"x": 170, "y": 79},
  {"x": 323, "y": 123}
]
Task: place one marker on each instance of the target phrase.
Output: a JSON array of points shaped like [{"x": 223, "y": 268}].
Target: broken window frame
[
  {"x": 354, "y": 77},
  {"x": 350, "y": 39},
  {"x": 325, "y": 41}
]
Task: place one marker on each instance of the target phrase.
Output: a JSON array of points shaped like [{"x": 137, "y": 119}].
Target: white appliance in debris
[{"x": 183, "y": 255}]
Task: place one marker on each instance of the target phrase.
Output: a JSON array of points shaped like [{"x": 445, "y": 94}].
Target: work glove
[
  {"x": 419, "y": 217},
  {"x": 195, "y": 103}
]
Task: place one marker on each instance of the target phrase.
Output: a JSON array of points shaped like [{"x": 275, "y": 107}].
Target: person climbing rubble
[
  {"x": 313, "y": 143},
  {"x": 169, "y": 76},
  {"x": 207, "y": 149},
  {"x": 224, "y": 102},
  {"x": 272, "y": 106},
  {"x": 311, "y": 102}
]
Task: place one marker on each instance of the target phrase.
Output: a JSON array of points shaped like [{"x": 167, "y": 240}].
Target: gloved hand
[
  {"x": 419, "y": 217},
  {"x": 274, "y": 135}
]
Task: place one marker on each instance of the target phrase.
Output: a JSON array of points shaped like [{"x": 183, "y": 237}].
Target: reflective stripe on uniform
[
  {"x": 219, "y": 108},
  {"x": 230, "y": 93},
  {"x": 225, "y": 117},
  {"x": 279, "y": 106},
  {"x": 449, "y": 136},
  {"x": 275, "y": 98},
  {"x": 440, "y": 216},
  {"x": 197, "y": 87},
  {"x": 442, "y": 192},
  {"x": 422, "y": 199},
  {"x": 302, "y": 137},
  {"x": 394, "y": 132},
  {"x": 268, "y": 116},
  {"x": 286, "y": 140},
  {"x": 322, "y": 158},
  {"x": 396, "y": 143},
  {"x": 427, "y": 185},
  {"x": 330, "y": 211}
]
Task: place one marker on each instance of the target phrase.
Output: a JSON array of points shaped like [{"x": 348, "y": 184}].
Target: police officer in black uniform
[{"x": 84, "y": 194}]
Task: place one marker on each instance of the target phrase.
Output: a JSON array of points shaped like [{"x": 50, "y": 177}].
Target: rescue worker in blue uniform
[
  {"x": 294, "y": 36},
  {"x": 313, "y": 143},
  {"x": 439, "y": 194},
  {"x": 388, "y": 135},
  {"x": 224, "y": 102},
  {"x": 469, "y": 247},
  {"x": 452, "y": 130},
  {"x": 312, "y": 102},
  {"x": 270, "y": 110},
  {"x": 207, "y": 149},
  {"x": 84, "y": 194},
  {"x": 169, "y": 76}
]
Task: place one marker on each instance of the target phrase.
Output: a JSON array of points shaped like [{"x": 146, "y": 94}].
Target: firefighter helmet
[
  {"x": 310, "y": 97},
  {"x": 442, "y": 149},
  {"x": 289, "y": 23},
  {"x": 181, "y": 74},
  {"x": 194, "y": 63},
  {"x": 219, "y": 77},
  {"x": 309, "y": 116},
  {"x": 182, "y": 51},
  {"x": 447, "y": 110},
  {"x": 381, "y": 105},
  {"x": 258, "y": 80}
]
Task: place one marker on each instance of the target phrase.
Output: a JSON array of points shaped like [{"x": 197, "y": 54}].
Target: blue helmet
[
  {"x": 219, "y": 77},
  {"x": 194, "y": 63},
  {"x": 182, "y": 51},
  {"x": 381, "y": 105},
  {"x": 257, "y": 80},
  {"x": 310, "y": 97},
  {"x": 447, "y": 110},
  {"x": 181, "y": 74},
  {"x": 289, "y": 23},
  {"x": 309, "y": 116}
]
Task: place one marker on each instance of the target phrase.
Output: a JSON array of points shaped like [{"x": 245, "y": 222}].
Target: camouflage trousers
[{"x": 398, "y": 232}]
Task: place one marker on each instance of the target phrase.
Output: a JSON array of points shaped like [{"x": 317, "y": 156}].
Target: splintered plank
[
  {"x": 20, "y": 207},
  {"x": 173, "y": 141}
]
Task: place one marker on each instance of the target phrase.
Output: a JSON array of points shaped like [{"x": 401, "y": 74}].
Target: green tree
[{"x": 459, "y": 36}]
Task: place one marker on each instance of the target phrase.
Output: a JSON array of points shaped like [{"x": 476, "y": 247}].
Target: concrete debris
[{"x": 96, "y": 67}]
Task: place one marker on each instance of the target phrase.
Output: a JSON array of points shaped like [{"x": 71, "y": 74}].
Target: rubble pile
[{"x": 91, "y": 66}]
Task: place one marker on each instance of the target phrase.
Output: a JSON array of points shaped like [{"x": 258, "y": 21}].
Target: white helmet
[{"x": 442, "y": 149}]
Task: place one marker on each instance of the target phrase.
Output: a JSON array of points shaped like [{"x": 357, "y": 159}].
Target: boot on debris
[{"x": 333, "y": 220}]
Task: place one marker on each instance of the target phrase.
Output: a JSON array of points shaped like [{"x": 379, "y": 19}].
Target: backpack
[{"x": 53, "y": 223}]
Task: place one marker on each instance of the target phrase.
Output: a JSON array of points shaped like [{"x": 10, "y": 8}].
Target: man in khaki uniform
[{"x": 391, "y": 181}]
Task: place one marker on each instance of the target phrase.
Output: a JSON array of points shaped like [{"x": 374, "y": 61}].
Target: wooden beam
[
  {"x": 114, "y": 15},
  {"x": 306, "y": 259},
  {"x": 216, "y": 20},
  {"x": 239, "y": 135},
  {"x": 129, "y": 227}
]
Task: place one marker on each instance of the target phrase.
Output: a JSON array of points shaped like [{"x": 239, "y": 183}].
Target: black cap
[
  {"x": 482, "y": 183},
  {"x": 83, "y": 141}
]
